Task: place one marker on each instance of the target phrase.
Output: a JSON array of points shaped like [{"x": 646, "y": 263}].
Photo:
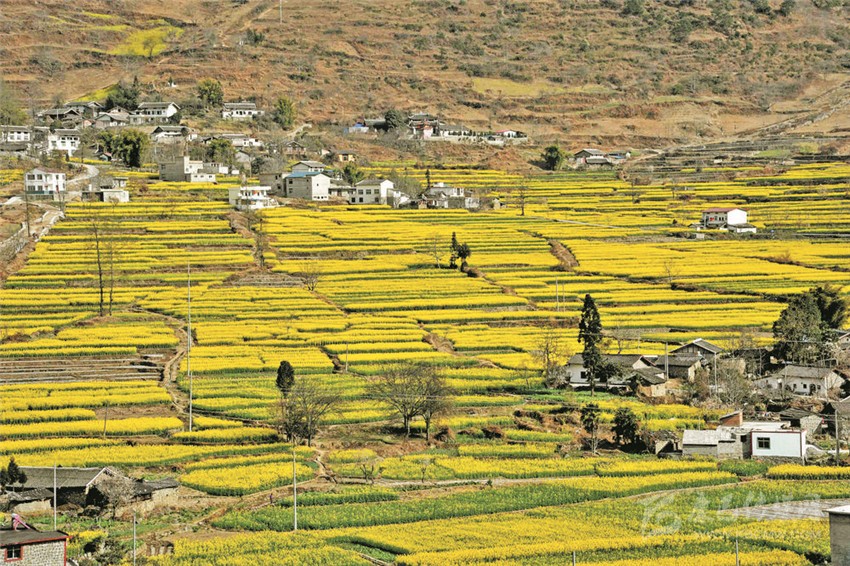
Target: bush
[{"x": 492, "y": 432}]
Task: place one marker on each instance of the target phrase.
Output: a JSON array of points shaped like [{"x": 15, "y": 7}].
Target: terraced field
[{"x": 381, "y": 292}]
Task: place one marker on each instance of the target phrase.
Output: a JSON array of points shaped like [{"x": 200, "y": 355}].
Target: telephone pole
[{"x": 189, "y": 337}]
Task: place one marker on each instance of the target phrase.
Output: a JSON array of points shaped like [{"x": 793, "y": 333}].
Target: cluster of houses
[
  {"x": 424, "y": 126},
  {"x": 25, "y": 139},
  {"x": 661, "y": 377},
  {"x": 44, "y": 183},
  {"x": 315, "y": 181},
  {"x": 49, "y": 488}
]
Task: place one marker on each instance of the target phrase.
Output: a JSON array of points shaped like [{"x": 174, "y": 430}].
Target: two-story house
[
  {"x": 63, "y": 140},
  {"x": 42, "y": 182}
]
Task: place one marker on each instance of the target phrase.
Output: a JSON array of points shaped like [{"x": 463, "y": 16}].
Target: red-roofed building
[{"x": 732, "y": 219}]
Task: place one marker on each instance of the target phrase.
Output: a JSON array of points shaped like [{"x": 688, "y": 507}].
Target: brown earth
[{"x": 581, "y": 72}]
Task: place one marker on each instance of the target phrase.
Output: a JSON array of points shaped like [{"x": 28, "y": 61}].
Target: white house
[
  {"x": 307, "y": 166},
  {"x": 732, "y": 219},
  {"x": 42, "y": 182},
  {"x": 240, "y": 140},
  {"x": 154, "y": 112},
  {"x": 15, "y": 134},
  {"x": 307, "y": 185},
  {"x": 373, "y": 191},
  {"x": 575, "y": 374},
  {"x": 171, "y": 134},
  {"x": 250, "y": 198},
  {"x": 66, "y": 141},
  {"x": 441, "y": 195},
  {"x": 240, "y": 111},
  {"x": 802, "y": 380},
  {"x": 186, "y": 170},
  {"x": 747, "y": 440}
]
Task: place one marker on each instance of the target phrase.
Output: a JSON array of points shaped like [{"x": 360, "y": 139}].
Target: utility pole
[
  {"x": 189, "y": 337},
  {"x": 55, "y": 501},
  {"x": 280, "y": 11},
  {"x": 294, "y": 491},
  {"x": 557, "y": 297},
  {"x": 105, "y": 417},
  {"x": 837, "y": 437},
  {"x": 27, "y": 201},
  {"x": 666, "y": 362},
  {"x": 134, "y": 538}
]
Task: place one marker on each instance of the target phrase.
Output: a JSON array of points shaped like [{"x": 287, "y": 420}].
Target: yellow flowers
[
  {"x": 640, "y": 468},
  {"x": 239, "y": 480},
  {"x": 799, "y": 472},
  {"x": 114, "y": 427}
]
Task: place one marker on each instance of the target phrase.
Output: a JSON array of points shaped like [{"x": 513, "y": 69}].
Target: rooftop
[
  {"x": 721, "y": 209},
  {"x": 42, "y": 477},
  {"x": 28, "y": 536}
]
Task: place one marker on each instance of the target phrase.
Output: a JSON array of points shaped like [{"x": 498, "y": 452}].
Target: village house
[
  {"x": 240, "y": 111},
  {"x": 423, "y": 125},
  {"x": 634, "y": 372},
  {"x": 86, "y": 109},
  {"x": 67, "y": 117},
  {"x": 357, "y": 128},
  {"x": 700, "y": 347},
  {"x": 731, "y": 219},
  {"x": 307, "y": 185},
  {"x": 26, "y": 546},
  {"x": 154, "y": 112},
  {"x": 308, "y": 166},
  {"x": 581, "y": 155},
  {"x": 73, "y": 485},
  {"x": 15, "y": 134},
  {"x": 741, "y": 439},
  {"x": 294, "y": 149},
  {"x": 339, "y": 190},
  {"x": 43, "y": 182},
  {"x": 238, "y": 140},
  {"x": 440, "y": 195},
  {"x": 171, "y": 134},
  {"x": 185, "y": 170},
  {"x": 680, "y": 366},
  {"x": 345, "y": 156},
  {"x": 63, "y": 140},
  {"x": 107, "y": 189},
  {"x": 797, "y": 379},
  {"x": 250, "y": 198},
  {"x": 373, "y": 191}
]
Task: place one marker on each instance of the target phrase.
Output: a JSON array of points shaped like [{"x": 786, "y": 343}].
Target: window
[
  {"x": 15, "y": 552},
  {"x": 763, "y": 443}
]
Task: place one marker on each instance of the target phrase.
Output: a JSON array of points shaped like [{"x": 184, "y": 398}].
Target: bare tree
[
  {"x": 435, "y": 250},
  {"x": 403, "y": 387},
  {"x": 311, "y": 273},
  {"x": 96, "y": 227},
  {"x": 303, "y": 408},
  {"x": 522, "y": 198},
  {"x": 437, "y": 398},
  {"x": 670, "y": 269},
  {"x": 733, "y": 388},
  {"x": 548, "y": 353}
]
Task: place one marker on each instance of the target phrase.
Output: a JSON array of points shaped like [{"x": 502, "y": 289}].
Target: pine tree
[{"x": 590, "y": 334}]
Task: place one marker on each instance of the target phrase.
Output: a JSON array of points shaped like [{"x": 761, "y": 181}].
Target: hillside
[{"x": 582, "y": 71}]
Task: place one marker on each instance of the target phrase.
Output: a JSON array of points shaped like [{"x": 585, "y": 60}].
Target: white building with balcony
[{"x": 250, "y": 198}]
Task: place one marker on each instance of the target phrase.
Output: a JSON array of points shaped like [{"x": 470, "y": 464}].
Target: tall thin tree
[{"x": 590, "y": 335}]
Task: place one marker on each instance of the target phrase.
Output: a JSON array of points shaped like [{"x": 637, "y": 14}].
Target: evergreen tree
[
  {"x": 454, "y": 248},
  {"x": 799, "y": 331},
  {"x": 284, "y": 112},
  {"x": 590, "y": 335},
  {"x": 285, "y": 377},
  {"x": 395, "y": 119},
  {"x": 626, "y": 426},
  {"x": 553, "y": 157},
  {"x": 832, "y": 306},
  {"x": 590, "y": 423}
]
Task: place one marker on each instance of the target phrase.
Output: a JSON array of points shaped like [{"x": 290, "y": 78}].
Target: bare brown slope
[{"x": 555, "y": 68}]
